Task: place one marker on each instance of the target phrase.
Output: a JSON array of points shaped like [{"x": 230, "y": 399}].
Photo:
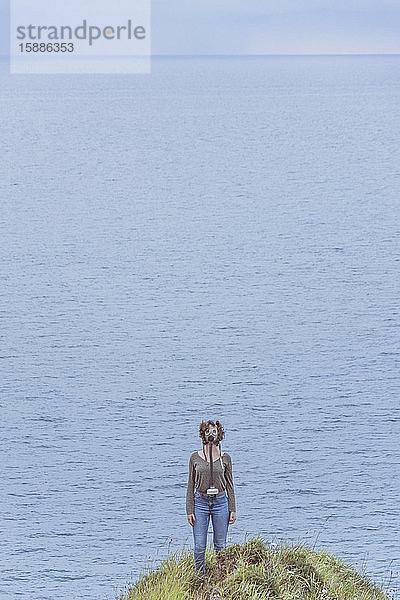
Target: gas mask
[{"x": 211, "y": 433}]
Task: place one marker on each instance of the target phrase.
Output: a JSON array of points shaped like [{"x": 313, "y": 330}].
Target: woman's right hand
[{"x": 191, "y": 518}]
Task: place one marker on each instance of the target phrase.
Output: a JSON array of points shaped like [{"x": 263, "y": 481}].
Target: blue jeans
[{"x": 204, "y": 507}]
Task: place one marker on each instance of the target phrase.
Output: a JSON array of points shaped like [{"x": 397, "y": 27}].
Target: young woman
[{"x": 200, "y": 505}]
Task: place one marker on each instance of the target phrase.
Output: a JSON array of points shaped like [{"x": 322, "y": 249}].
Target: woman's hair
[{"x": 204, "y": 426}]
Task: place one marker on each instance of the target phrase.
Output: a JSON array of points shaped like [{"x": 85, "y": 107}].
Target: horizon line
[
  {"x": 280, "y": 54},
  {"x": 260, "y": 55}
]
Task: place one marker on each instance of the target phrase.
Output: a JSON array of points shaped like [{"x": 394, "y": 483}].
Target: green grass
[{"x": 256, "y": 570}]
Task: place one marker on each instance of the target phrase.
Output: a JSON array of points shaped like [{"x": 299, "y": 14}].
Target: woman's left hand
[{"x": 232, "y": 517}]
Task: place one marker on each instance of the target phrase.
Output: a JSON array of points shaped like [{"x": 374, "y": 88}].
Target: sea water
[{"x": 219, "y": 239}]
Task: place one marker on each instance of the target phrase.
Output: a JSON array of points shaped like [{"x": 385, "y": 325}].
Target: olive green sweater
[{"x": 199, "y": 479}]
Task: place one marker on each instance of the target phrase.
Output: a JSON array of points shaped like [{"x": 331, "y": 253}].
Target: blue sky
[
  {"x": 265, "y": 27},
  {"x": 285, "y": 26}
]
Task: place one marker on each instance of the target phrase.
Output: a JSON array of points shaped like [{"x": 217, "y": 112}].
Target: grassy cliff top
[{"x": 256, "y": 570}]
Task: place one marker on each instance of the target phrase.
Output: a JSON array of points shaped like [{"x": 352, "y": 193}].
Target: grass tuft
[{"x": 256, "y": 570}]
